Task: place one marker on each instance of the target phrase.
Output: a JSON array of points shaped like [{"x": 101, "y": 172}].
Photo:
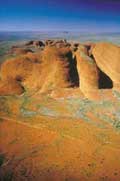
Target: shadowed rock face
[
  {"x": 49, "y": 42},
  {"x": 38, "y": 43},
  {"x": 104, "y": 81},
  {"x": 89, "y": 46},
  {"x": 58, "y": 65}
]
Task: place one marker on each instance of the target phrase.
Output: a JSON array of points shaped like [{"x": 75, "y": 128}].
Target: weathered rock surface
[
  {"x": 107, "y": 57},
  {"x": 10, "y": 87},
  {"x": 58, "y": 68},
  {"x": 23, "y": 69},
  {"x": 87, "y": 71},
  {"x": 19, "y": 51},
  {"x": 55, "y": 68},
  {"x": 61, "y": 64}
]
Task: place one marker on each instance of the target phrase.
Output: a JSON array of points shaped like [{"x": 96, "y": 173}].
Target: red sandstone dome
[
  {"x": 107, "y": 57},
  {"x": 57, "y": 67}
]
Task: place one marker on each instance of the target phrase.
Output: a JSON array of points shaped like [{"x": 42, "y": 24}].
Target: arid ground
[{"x": 57, "y": 131}]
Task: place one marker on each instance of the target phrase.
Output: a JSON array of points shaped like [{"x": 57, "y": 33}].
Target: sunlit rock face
[
  {"x": 10, "y": 87},
  {"x": 22, "y": 71},
  {"x": 59, "y": 69},
  {"x": 107, "y": 57},
  {"x": 88, "y": 72}
]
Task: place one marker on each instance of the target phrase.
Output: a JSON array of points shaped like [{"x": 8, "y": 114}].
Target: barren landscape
[{"x": 60, "y": 111}]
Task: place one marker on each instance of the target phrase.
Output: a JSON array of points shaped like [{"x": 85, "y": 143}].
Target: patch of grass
[
  {"x": 4, "y": 105},
  {"x": 26, "y": 100},
  {"x": 27, "y": 113},
  {"x": 106, "y": 104},
  {"x": 105, "y": 118},
  {"x": 116, "y": 94},
  {"x": 48, "y": 112},
  {"x": 117, "y": 124}
]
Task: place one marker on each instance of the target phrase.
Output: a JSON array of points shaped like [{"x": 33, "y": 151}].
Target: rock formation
[
  {"x": 60, "y": 64},
  {"x": 107, "y": 57},
  {"x": 19, "y": 51},
  {"x": 55, "y": 68},
  {"x": 49, "y": 42},
  {"x": 38, "y": 43},
  {"x": 57, "y": 43},
  {"x": 22, "y": 71},
  {"x": 87, "y": 71},
  {"x": 10, "y": 87},
  {"x": 58, "y": 68},
  {"x": 29, "y": 43}
]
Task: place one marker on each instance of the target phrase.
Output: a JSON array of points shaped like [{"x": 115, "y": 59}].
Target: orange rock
[
  {"x": 89, "y": 46},
  {"x": 54, "y": 69},
  {"x": 25, "y": 69},
  {"x": 58, "y": 65},
  {"x": 19, "y": 51},
  {"x": 107, "y": 57},
  {"x": 10, "y": 87},
  {"x": 16, "y": 67},
  {"x": 87, "y": 71}
]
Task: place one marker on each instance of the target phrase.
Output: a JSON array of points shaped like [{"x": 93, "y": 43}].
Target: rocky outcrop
[
  {"x": 10, "y": 87},
  {"x": 89, "y": 46},
  {"x": 54, "y": 68},
  {"x": 19, "y": 51},
  {"x": 57, "y": 43},
  {"x": 23, "y": 71},
  {"x": 29, "y": 43},
  {"x": 38, "y": 44},
  {"x": 58, "y": 68},
  {"x": 87, "y": 71},
  {"x": 61, "y": 65},
  {"x": 107, "y": 57},
  {"x": 49, "y": 42}
]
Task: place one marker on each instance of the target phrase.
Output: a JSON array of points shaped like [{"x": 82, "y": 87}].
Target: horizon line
[{"x": 63, "y": 31}]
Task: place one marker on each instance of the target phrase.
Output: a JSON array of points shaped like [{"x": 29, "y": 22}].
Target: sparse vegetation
[
  {"x": 2, "y": 159},
  {"x": 8, "y": 176},
  {"x": 4, "y": 107}
]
